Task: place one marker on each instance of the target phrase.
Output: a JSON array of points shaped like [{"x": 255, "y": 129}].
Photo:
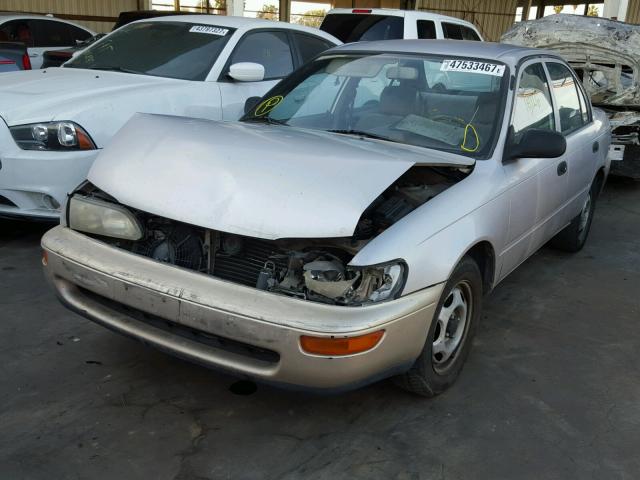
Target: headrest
[{"x": 398, "y": 100}]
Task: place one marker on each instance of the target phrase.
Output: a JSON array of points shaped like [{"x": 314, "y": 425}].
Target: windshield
[
  {"x": 180, "y": 50},
  {"x": 447, "y": 104}
]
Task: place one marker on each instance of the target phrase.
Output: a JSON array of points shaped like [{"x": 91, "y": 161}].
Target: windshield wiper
[
  {"x": 114, "y": 68},
  {"x": 269, "y": 120},
  {"x": 360, "y": 133}
]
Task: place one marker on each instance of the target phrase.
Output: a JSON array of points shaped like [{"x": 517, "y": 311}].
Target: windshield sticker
[
  {"x": 472, "y": 67},
  {"x": 221, "y": 32},
  {"x": 267, "y": 105}
]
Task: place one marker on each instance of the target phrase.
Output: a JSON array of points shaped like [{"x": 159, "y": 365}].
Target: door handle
[
  {"x": 595, "y": 147},
  {"x": 562, "y": 168}
]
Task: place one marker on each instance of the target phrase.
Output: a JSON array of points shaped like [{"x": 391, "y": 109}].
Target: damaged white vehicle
[
  {"x": 606, "y": 56},
  {"x": 345, "y": 230}
]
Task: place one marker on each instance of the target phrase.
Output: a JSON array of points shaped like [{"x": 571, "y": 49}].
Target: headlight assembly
[
  {"x": 52, "y": 136},
  {"x": 102, "y": 218},
  {"x": 355, "y": 285}
]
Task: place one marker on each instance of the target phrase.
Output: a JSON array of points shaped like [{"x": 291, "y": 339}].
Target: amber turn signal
[
  {"x": 45, "y": 258},
  {"x": 337, "y": 346}
]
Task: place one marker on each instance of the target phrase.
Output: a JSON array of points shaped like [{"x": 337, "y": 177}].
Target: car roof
[
  {"x": 7, "y": 16},
  {"x": 509, "y": 54},
  {"x": 417, "y": 14},
  {"x": 242, "y": 23}
]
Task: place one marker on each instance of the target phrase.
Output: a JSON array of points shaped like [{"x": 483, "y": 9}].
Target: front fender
[{"x": 435, "y": 237}]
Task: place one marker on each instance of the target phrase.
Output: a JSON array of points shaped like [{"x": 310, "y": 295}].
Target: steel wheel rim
[
  {"x": 585, "y": 214},
  {"x": 452, "y": 324}
]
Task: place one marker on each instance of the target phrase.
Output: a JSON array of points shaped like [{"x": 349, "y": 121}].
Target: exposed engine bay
[{"x": 310, "y": 269}]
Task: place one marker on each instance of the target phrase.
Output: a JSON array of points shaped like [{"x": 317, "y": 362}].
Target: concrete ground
[{"x": 551, "y": 389}]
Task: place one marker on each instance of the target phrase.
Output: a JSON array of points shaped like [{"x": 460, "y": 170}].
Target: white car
[
  {"x": 370, "y": 24},
  {"x": 329, "y": 244},
  {"x": 54, "y": 121},
  {"x": 40, "y": 33}
]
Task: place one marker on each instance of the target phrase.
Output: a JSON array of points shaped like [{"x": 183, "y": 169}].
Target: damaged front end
[{"x": 317, "y": 270}]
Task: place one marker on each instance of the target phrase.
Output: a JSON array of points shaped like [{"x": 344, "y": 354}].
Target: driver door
[{"x": 537, "y": 187}]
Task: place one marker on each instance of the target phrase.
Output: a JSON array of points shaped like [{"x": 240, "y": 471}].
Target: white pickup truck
[{"x": 371, "y": 24}]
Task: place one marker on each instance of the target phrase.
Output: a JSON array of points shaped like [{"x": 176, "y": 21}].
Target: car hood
[
  {"x": 259, "y": 180},
  {"x": 59, "y": 93}
]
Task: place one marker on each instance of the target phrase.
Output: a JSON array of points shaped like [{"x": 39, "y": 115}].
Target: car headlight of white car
[
  {"x": 52, "y": 136},
  {"x": 106, "y": 219}
]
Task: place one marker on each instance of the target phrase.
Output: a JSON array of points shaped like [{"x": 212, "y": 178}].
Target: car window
[
  {"x": 165, "y": 49},
  {"x": 270, "y": 49},
  {"x": 452, "y": 31},
  {"x": 352, "y": 27},
  {"x": 426, "y": 29},
  {"x": 369, "y": 90},
  {"x": 310, "y": 46},
  {"x": 17, "y": 31},
  {"x": 48, "y": 33},
  {"x": 565, "y": 92},
  {"x": 533, "y": 106},
  {"x": 468, "y": 33},
  {"x": 387, "y": 96},
  {"x": 77, "y": 34}
]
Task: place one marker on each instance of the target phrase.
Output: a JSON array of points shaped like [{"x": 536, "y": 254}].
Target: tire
[
  {"x": 438, "y": 366},
  {"x": 573, "y": 237}
]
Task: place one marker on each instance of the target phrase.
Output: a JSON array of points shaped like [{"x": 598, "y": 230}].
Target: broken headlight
[
  {"x": 355, "y": 285},
  {"x": 90, "y": 215},
  {"x": 52, "y": 136}
]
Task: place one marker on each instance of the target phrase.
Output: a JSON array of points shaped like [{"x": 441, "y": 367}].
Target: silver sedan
[{"x": 348, "y": 227}]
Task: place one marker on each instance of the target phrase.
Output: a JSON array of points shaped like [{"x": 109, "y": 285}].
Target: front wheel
[{"x": 449, "y": 338}]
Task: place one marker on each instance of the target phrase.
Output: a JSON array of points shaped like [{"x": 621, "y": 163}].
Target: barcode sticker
[
  {"x": 209, "y": 30},
  {"x": 472, "y": 67}
]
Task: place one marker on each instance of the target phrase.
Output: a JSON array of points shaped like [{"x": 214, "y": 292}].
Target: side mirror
[
  {"x": 251, "y": 103},
  {"x": 247, "y": 72},
  {"x": 536, "y": 143}
]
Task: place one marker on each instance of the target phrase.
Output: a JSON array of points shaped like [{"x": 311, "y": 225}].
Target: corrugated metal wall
[
  {"x": 492, "y": 17},
  {"x": 100, "y": 14},
  {"x": 633, "y": 12}
]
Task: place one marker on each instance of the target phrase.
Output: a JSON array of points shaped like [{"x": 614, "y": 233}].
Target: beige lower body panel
[{"x": 121, "y": 291}]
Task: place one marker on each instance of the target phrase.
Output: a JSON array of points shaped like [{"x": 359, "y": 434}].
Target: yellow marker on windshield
[
  {"x": 267, "y": 105},
  {"x": 464, "y": 147}
]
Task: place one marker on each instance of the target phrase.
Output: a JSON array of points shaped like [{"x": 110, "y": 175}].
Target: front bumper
[
  {"x": 33, "y": 183},
  {"x": 228, "y": 326}
]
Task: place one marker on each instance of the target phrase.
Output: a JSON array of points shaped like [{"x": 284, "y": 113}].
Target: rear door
[{"x": 576, "y": 124}]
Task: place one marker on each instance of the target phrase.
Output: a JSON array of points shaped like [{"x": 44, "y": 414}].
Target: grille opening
[{"x": 217, "y": 342}]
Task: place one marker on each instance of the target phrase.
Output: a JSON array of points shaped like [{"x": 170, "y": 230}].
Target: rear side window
[
  {"x": 426, "y": 29},
  {"x": 17, "y": 31},
  {"x": 452, "y": 31},
  {"x": 565, "y": 91},
  {"x": 469, "y": 34},
  {"x": 363, "y": 27},
  {"x": 77, "y": 34},
  {"x": 48, "y": 33},
  {"x": 268, "y": 48},
  {"x": 309, "y": 46}
]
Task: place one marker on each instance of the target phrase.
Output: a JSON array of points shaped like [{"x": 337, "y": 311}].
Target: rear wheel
[
  {"x": 449, "y": 338},
  {"x": 573, "y": 237}
]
